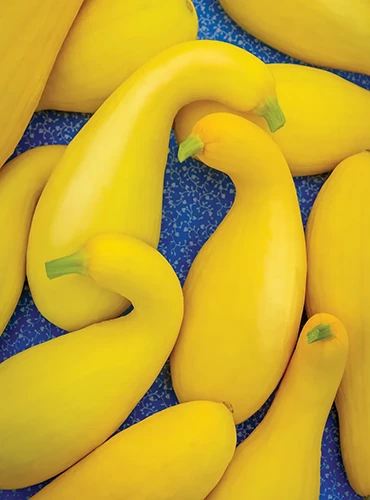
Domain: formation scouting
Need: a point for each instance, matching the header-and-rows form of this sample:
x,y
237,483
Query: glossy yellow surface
x,y
108,41
245,290
179,453
111,176
328,118
339,281
281,458
63,398
330,33
31,34
21,183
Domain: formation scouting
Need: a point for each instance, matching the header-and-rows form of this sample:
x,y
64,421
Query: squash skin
x,y
245,291
339,281
326,33
111,175
180,452
63,398
108,41
328,125
21,183
31,35
291,433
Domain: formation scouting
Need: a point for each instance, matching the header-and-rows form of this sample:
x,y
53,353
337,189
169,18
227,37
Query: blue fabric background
x,y
195,201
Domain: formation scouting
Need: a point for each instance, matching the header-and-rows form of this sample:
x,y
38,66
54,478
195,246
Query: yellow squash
x,y
281,458
245,290
111,175
328,118
180,453
108,41
338,244
62,399
21,183
31,34
331,33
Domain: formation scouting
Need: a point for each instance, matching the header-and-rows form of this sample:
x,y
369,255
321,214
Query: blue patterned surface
x,y
195,201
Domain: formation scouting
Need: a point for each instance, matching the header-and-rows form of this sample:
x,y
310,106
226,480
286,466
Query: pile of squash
x,y
83,222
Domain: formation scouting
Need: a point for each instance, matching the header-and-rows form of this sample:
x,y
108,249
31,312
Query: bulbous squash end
x,y
191,146
272,113
71,264
320,332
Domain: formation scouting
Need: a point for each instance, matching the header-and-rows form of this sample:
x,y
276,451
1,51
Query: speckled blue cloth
x,y
195,201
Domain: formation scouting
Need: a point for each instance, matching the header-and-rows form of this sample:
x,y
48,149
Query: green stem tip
x,y
273,114
75,263
192,146
320,332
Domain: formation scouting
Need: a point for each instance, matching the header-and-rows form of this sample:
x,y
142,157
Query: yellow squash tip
x,y
229,406
192,146
190,5
71,264
320,332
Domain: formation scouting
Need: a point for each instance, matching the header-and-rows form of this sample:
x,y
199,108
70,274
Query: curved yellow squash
x,y
111,175
108,41
21,183
31,35
245,290
331,33
179,453
338,245
62,399
281,458
327,118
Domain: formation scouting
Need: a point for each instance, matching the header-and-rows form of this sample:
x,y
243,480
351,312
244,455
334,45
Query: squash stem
x,y
190,5
229,406
272,113
75,263
191,146
320,332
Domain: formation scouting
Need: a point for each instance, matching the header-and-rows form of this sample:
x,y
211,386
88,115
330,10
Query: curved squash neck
x,y
147,103
168,83
308,390
150,284
130,268
237,147
255,167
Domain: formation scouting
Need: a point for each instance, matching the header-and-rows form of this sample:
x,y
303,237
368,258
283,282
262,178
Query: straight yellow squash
x,y
327,118
331,33
179,453
62,399
21,183
111,175
31,35
108,41
245,290
338,244
281,458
